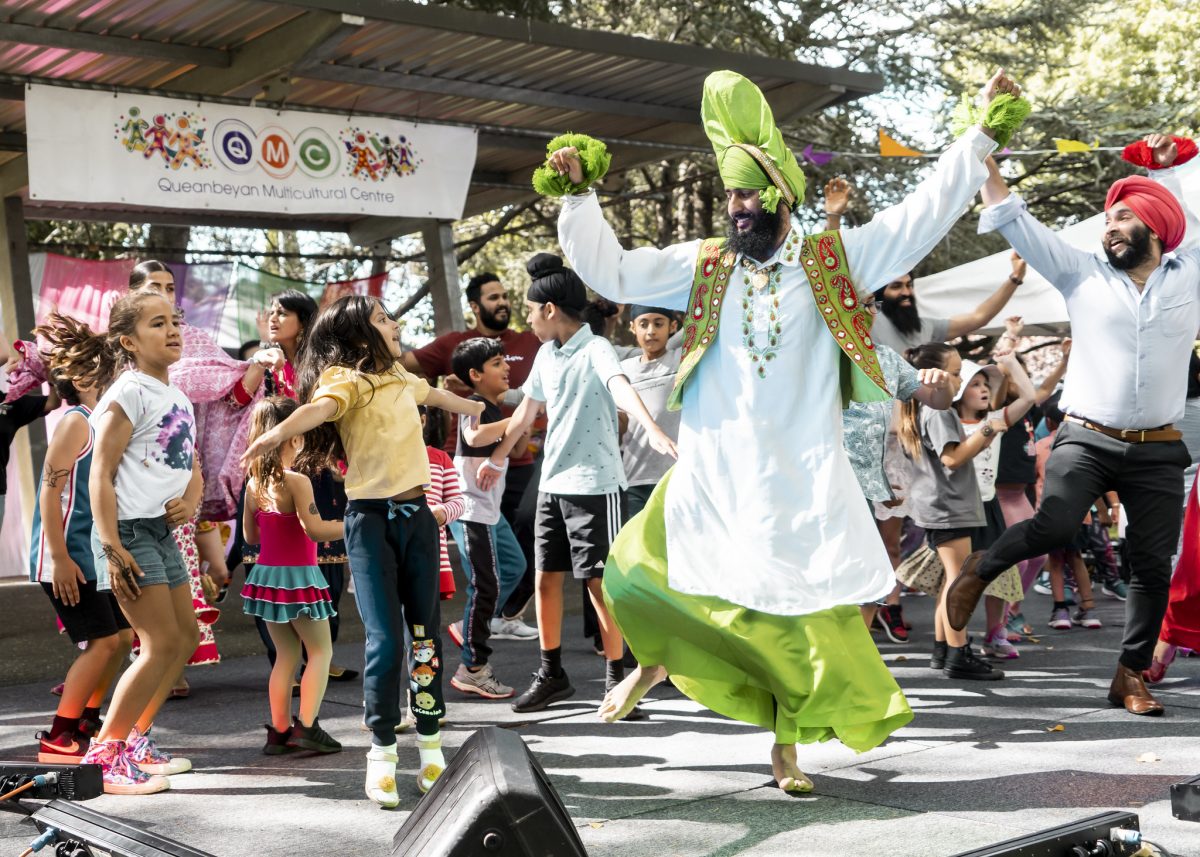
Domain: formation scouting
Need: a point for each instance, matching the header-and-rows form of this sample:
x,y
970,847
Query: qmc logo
x,y
240,149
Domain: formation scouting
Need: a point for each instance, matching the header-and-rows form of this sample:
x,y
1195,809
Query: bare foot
x,y
619,701
788,776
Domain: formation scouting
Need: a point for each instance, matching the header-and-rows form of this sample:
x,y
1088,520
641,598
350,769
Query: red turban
x,y
1154,205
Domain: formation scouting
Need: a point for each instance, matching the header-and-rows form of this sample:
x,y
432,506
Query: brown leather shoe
x,y
1129,691
964,593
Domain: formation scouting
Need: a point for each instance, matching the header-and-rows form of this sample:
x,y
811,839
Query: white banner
x,y
90,146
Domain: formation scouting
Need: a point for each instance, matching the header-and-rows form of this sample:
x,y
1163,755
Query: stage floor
x,y
980,763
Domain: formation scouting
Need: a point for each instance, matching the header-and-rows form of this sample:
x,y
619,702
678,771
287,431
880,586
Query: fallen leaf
x,y
1034,640
901,658
1149,757
1057,727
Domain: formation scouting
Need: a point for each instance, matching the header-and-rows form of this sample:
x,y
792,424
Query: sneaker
x,y
312,737
1085,619
1117,589
65,749
598,645
890,618
455,632
482,682
937,660
88,729
1018,627
121,775
1060,619
511,629
277,742
964,664
543,691
144,752
998,646
1042,585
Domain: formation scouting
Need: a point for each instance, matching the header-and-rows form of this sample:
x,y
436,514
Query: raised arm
x,y
968,322
1050,384
304,418
1055,259
837,202
1026,394
1165,152
447,401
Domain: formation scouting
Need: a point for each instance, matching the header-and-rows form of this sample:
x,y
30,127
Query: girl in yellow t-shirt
x,y
362,408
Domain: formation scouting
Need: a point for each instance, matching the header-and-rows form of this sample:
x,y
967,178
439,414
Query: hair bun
x,y
543,265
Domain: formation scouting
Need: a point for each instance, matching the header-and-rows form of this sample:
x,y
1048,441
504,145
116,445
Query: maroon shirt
x,y
520,349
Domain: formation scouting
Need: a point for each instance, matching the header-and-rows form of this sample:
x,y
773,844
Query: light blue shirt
x,y
1128,347
865,424
581,455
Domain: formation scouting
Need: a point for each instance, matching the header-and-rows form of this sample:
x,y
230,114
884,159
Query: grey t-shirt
x,y
653,382
932,330
941,498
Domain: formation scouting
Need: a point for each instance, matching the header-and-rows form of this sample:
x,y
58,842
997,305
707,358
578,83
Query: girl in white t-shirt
x,y
975,398
145,480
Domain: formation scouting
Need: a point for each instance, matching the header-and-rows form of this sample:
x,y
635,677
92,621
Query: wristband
x,y
1016,280
497,467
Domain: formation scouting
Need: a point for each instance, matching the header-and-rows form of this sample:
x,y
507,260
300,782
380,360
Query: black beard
x,y
1138,252
491,322
905,319
760,240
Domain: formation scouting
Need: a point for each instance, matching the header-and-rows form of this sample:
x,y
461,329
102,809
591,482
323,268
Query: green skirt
x,y
806,678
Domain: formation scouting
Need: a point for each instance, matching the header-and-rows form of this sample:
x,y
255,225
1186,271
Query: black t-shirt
x,y
491,414
1018,455
13,417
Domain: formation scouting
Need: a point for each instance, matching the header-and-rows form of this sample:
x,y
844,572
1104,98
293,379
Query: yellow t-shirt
x,y
381,432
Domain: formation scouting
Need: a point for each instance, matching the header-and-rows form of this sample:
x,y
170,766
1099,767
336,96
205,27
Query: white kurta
x,y
763,509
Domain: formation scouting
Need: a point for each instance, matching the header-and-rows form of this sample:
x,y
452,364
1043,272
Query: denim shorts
x,y
153,547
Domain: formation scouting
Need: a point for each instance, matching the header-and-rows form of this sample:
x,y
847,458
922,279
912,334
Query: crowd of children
x,y
329,402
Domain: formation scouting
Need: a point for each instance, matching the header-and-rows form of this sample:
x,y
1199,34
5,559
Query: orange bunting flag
x,y
1066,147
890,148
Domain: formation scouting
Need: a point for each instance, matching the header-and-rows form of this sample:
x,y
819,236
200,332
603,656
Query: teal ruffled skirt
x,y
807,678
281,593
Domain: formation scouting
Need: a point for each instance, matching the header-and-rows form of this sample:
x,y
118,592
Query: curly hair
x,y
78,357
266,471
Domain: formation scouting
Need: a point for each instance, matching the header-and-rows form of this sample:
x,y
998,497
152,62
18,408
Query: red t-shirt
x,y
520,349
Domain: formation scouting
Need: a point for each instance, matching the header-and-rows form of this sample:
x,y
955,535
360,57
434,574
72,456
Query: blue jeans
x,y
509,557
394,555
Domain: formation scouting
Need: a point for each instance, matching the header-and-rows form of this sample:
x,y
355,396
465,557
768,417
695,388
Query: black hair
x,y
476,283
1051,410
471,354
597,313
930,355
246,346
342,335
299,304
1193,387
142,271
554,283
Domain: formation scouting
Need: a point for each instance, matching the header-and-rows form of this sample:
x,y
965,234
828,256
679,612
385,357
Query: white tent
x,y
961,289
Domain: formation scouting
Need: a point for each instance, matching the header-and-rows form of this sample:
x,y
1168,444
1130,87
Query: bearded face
x,y
899,304
753,231
1127,244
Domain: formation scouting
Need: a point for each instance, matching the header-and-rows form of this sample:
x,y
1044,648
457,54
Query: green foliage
x,y
593,156
1004,115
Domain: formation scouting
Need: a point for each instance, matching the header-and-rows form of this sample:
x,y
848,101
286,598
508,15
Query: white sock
x,y
432,760
381,775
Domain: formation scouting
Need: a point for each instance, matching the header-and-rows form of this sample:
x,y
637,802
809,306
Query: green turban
x,y
749,146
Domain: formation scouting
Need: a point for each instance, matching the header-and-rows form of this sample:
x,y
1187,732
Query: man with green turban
x,y
741,578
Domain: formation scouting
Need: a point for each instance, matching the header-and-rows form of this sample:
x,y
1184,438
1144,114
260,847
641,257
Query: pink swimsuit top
x,y
283,540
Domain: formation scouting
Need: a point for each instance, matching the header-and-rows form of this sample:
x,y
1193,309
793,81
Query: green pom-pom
x,y
593,155
1003,116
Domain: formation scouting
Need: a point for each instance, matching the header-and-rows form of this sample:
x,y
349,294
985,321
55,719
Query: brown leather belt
x,y
1155,435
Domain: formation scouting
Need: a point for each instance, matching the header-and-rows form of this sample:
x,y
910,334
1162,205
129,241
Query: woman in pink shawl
x,y
221,390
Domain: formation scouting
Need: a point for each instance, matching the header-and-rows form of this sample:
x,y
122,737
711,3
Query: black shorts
x,y
933,538
573,532
96,615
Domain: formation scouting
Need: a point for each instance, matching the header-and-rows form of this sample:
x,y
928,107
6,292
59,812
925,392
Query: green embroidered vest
x,y
823,259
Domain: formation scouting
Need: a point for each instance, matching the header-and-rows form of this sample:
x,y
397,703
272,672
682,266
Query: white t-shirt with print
x,y
157,464
987,461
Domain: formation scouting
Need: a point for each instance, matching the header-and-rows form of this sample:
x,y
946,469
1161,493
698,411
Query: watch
x,y
987,430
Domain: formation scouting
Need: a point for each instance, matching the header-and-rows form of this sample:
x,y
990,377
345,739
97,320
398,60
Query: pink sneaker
x,y
121,776
144,753
998,646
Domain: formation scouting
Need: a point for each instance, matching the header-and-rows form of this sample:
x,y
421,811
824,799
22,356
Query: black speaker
x,y
1185,800
493,800
1110,834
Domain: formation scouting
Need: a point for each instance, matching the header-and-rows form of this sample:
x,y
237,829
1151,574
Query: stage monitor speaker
x,y
73,782
77,825
1110,834
493,800
1185,800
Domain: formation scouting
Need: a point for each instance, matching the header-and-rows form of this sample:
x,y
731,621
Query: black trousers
x,y
1148,477
518,505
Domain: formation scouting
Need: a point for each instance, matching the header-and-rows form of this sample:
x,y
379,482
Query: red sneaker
x,y
65,749
890,618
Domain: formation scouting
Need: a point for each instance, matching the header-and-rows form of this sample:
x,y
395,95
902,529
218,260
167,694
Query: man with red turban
x,y
1134,312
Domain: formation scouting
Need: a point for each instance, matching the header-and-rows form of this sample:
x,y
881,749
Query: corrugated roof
x,y
520,80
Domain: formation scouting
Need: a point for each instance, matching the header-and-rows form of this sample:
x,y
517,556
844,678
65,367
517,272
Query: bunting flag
x,y
818,159
1068,147
890,148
